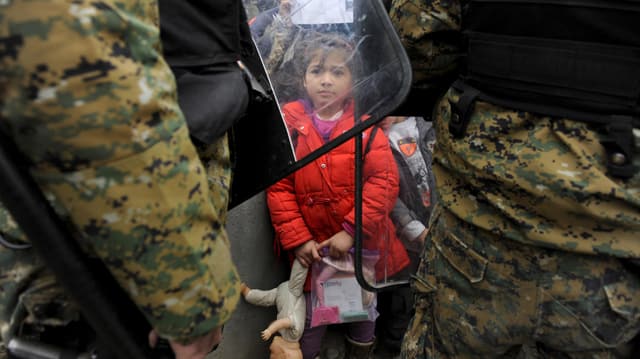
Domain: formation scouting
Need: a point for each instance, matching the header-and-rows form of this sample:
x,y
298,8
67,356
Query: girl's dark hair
x,y
322,44
287,79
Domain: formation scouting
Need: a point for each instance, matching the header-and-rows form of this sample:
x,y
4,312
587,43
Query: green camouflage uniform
x,y
91,103
526,254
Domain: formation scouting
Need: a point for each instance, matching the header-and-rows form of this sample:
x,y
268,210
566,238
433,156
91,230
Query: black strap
x,y
461,111
619,142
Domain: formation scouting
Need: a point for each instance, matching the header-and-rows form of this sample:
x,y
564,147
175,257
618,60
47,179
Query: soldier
x,y
202,42
533,245
91,104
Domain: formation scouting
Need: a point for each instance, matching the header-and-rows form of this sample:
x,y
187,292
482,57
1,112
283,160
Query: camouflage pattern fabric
x,y
216,158
536,180
27,288
92,105
480,296
429,30
528,249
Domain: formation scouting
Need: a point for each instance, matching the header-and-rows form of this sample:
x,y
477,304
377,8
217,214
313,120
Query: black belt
x,y
590,77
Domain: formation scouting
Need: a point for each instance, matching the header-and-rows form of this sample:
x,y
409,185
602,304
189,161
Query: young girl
x,y
313,208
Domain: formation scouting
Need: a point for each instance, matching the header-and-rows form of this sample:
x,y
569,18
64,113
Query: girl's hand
x,y
307,253
339,244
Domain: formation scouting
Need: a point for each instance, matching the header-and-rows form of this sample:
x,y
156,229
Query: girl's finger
x,y
326,243
315,255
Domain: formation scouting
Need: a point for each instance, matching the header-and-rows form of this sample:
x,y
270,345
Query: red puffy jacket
x,y
315,201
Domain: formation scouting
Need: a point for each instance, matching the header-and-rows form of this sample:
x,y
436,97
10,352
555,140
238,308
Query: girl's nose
x,y
326,78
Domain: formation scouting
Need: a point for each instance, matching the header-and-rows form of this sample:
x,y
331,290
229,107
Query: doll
x,y
291,305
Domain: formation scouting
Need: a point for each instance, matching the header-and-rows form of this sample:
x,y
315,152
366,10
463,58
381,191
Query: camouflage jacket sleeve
x,y
91,103
430,33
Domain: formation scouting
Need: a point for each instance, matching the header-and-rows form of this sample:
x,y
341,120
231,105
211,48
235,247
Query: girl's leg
x,y
311,340
360,338
361,332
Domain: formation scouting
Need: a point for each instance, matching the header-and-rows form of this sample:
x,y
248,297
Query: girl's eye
x,y
338,72
314,71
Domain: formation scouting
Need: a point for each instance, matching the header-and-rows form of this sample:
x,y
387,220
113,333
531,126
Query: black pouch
x,y
212,98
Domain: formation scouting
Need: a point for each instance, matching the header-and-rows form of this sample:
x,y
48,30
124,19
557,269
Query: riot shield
x,y
325,59
285,33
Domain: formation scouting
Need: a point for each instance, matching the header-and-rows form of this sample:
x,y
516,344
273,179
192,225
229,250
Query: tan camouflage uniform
x,y
88,99
526,249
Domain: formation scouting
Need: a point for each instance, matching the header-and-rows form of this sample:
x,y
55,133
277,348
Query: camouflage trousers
x,y
216,158
481,296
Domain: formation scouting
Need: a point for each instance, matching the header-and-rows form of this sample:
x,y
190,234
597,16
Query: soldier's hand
x,y
196,349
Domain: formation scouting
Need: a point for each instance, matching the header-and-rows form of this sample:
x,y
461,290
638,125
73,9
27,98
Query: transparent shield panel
x,y
325,58
401,240
336,67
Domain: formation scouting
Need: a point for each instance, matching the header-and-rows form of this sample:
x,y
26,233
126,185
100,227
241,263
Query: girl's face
x,y
328,81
